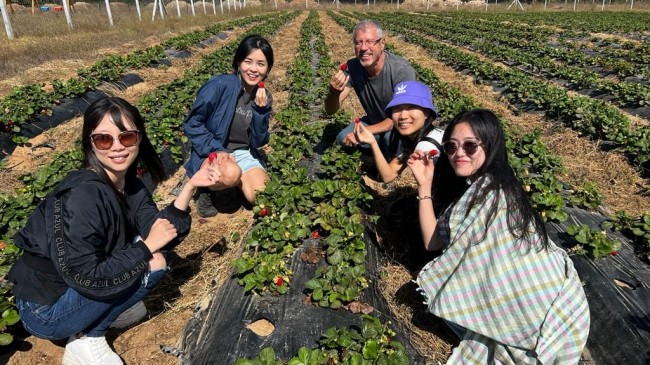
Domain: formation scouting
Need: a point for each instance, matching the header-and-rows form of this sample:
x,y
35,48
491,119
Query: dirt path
x,y
203,264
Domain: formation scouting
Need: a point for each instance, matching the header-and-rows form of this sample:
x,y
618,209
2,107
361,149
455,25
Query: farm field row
x,y
165,126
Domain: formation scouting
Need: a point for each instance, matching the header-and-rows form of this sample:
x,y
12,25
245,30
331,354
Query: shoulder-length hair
x,y
121,112
249,44
449,188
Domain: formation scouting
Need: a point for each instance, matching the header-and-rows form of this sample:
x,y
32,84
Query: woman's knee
x,y
231,174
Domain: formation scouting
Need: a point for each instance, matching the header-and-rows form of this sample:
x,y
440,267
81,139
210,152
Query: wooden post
x,y
66,11
5,19
110,14
160,7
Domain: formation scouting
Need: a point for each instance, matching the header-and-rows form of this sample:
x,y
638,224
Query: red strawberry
x,y
344,67
433,153
261,85
212,156
263,212
279,280
315,234
614,253
357,120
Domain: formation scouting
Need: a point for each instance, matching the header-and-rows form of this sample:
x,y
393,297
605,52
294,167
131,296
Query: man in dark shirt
x,y
373,75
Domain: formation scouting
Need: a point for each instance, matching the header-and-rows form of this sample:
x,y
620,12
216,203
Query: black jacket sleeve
x,y
89,246
144,212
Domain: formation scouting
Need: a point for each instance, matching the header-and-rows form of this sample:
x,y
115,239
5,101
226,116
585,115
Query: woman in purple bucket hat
x,y
413,115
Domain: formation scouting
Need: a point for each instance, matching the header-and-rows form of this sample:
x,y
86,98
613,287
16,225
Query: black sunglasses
x,y
104,141
470,147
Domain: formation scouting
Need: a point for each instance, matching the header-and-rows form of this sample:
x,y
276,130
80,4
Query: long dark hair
x,y
449,188
249,44
120,111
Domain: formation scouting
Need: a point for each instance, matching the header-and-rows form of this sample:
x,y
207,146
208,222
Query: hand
x,y
350,140
339,81
207,175
363,135
221,157
260,97
161,233
422,167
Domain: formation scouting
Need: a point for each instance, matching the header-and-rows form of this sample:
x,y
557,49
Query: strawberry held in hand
x,y
357,120
212,156
261,84
344,67
433,153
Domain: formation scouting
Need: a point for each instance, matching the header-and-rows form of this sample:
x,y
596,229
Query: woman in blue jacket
x,y
231,117
93,248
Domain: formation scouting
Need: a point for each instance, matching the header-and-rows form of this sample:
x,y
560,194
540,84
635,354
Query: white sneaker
x,y
130,316
89,351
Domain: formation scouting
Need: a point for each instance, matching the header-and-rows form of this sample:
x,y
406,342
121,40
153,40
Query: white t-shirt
x,y
432,141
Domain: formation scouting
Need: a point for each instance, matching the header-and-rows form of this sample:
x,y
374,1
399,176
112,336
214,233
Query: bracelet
x,y
424,197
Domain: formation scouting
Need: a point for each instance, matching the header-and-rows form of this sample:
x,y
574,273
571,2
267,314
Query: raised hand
x,y
339,80
363,135
260,97
422,167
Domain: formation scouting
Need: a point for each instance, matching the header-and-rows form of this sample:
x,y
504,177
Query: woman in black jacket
x,y
94,247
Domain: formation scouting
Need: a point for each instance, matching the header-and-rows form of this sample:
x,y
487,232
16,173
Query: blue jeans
x,y
382,139
73,313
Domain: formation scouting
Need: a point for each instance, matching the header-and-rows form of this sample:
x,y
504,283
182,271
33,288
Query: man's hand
x,y
338,82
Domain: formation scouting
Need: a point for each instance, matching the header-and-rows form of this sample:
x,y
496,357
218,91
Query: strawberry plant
x,y
8,254
586,197
635,228
592,241
371,343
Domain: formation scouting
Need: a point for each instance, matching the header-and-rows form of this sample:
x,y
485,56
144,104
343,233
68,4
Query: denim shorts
x,y
247,159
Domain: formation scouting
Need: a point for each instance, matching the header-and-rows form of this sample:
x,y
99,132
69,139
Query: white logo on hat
x,y
401,89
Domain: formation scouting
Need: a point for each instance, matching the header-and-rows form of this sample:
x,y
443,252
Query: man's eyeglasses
x,y
104,141
368,43
470,147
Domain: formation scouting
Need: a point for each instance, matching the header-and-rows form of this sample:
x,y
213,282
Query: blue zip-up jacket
x,y
208,123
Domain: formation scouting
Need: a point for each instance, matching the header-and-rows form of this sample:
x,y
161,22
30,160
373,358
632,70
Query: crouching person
x,y
94,247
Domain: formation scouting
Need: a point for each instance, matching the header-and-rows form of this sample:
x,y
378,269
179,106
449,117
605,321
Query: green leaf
x,y
371,350
6,339
267,356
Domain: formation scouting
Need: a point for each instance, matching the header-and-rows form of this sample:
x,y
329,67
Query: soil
x,y
204,259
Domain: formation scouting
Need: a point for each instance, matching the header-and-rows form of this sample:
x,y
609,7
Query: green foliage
x,y
592,241
369,345
635,228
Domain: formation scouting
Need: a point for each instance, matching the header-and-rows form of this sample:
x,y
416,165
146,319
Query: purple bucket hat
x,y
414,93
